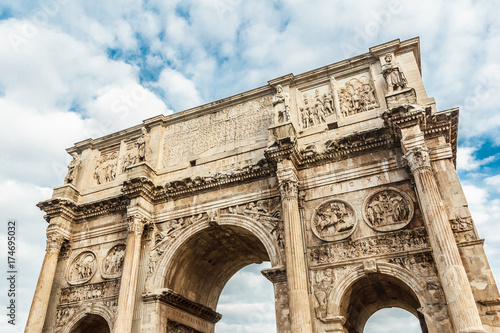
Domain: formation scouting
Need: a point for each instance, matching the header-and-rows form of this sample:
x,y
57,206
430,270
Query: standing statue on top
x,y
281,103
393,75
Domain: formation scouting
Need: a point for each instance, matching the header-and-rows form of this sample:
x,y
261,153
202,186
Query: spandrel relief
x,y
388,210
113,262
333,220
82,268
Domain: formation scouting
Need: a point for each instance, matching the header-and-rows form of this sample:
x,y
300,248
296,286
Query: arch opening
x,y
374,292
204,263
91,323
392,320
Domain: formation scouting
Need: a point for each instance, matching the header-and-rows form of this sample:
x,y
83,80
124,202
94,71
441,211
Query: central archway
x,y
198,263
202,266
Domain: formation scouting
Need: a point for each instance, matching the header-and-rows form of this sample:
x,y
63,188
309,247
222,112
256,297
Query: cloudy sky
x,y
70,70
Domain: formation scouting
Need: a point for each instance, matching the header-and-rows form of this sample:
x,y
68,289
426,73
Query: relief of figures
x,y
113,263
89,291
323,283
357,96
82,268
72,169
281,103
105,169
401,241
394,77
333,220
388,210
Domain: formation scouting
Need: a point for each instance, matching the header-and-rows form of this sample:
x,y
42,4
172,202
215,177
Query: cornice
x,y
170,297
443,123
142,187
72,211
187,186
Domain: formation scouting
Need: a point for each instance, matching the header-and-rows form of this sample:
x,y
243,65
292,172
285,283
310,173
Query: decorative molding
x,y
174,299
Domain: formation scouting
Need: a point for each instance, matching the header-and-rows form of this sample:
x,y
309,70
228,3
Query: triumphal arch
x,y
342,177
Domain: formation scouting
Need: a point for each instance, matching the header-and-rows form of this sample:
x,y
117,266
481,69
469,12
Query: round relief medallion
x,y
82,269
388,209
333,220
113,262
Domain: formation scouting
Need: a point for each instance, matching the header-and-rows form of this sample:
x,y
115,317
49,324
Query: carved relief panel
x,y
105,167
388,209
334,220
356,95
113,262
82,268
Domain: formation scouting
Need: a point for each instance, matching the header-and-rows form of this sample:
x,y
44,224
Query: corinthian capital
x,y
288,188
54,243
418,158
136,224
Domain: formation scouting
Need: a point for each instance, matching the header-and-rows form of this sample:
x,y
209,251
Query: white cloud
x,y
180,92
468,162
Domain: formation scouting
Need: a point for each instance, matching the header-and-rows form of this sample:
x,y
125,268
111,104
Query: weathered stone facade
x,y
342,177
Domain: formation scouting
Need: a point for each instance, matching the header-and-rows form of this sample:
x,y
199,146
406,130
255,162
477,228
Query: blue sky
x,y
73,70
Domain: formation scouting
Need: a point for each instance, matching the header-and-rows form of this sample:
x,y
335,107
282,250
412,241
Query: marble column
x,y
36,317
128,284
300,311
461,304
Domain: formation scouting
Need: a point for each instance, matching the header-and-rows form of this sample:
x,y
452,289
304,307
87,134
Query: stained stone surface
x,y
343,178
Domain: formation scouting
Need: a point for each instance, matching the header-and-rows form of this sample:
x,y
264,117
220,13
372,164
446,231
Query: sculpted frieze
x,y
401,241
334,220
82,269
113,262
388,209
89,291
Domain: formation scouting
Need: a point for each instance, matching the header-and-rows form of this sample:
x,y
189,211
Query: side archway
x,y
359,294
98,319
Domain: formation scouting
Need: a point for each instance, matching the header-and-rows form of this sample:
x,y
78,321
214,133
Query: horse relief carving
x,y
333,220
82,269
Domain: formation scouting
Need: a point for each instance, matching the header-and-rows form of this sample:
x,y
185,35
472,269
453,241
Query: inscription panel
x,y
236,123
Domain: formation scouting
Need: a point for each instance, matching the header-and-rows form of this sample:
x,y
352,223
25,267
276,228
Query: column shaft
x,y
41,298
300,312
461,303
128,284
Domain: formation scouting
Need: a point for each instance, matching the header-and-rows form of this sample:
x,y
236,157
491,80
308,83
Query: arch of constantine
x,y
343,178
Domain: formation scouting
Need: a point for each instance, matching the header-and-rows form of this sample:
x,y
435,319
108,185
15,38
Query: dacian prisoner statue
x,y
343,178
